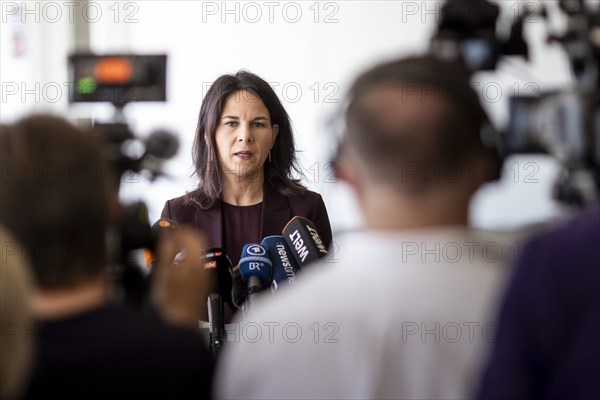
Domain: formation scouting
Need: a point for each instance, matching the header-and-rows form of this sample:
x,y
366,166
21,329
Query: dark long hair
x,y
277,172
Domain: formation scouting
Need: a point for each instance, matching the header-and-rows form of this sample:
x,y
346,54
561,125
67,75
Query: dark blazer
x,y
277,211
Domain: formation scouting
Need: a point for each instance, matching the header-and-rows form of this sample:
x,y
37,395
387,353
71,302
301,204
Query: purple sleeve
x,y
547,345
508,373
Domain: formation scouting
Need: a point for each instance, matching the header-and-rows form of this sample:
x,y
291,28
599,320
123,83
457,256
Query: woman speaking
x,y
244,156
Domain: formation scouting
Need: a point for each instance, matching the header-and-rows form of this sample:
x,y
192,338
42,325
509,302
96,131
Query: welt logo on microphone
x,y
299,244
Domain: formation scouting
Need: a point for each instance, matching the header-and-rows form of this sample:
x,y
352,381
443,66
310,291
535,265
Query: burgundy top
x,y
241,225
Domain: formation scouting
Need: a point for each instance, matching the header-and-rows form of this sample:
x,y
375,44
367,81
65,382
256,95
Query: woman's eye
x,y
259,125
231,124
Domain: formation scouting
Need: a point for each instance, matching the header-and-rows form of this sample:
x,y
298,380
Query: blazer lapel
x,y
276,212
211,224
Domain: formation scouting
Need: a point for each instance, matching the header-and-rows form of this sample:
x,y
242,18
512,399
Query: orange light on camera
x,y
149,257
166,224
114,71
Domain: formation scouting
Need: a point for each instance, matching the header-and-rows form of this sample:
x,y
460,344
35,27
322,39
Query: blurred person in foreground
x,y
550,318
15,316
406,312
58,202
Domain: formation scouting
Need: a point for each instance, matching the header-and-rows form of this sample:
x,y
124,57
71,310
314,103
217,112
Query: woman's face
x,y
244,135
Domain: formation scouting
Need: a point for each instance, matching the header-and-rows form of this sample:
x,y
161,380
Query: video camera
x,y
121,79
563,124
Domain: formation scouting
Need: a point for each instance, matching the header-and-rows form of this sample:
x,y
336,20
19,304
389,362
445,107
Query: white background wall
x,y
310,51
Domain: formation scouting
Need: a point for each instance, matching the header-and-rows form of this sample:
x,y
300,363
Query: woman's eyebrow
x,y
237,118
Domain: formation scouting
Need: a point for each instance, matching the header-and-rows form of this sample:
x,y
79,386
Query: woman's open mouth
x,y
244,155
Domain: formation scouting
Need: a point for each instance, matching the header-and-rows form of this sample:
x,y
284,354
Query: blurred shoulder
x,y
180,202
581,231
305,195
179,209
576,238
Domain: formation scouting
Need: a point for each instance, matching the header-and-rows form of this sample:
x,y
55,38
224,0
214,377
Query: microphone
x,y
158,228
304,241
215,318
161,145
285,267
219,266
255,269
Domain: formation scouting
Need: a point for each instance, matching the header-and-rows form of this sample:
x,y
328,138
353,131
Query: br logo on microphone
x,y
254,266
256,250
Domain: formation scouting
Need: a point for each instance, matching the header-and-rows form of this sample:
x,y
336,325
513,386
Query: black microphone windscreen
x,y
162,144
215,318
304,241
219,266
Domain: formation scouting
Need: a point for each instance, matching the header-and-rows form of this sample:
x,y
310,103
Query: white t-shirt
x,y
388,315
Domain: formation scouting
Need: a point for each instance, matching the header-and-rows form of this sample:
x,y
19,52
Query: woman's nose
x,y
245,135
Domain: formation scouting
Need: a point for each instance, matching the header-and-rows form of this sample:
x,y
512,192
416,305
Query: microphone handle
x,y
215,318
254,288
254,285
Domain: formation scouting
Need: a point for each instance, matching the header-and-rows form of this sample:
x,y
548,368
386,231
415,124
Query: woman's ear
x,y
275,129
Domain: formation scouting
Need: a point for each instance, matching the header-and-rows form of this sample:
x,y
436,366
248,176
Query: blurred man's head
x,y
55,199
413,135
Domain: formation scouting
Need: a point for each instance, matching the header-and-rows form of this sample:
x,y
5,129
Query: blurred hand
x,y
181,288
